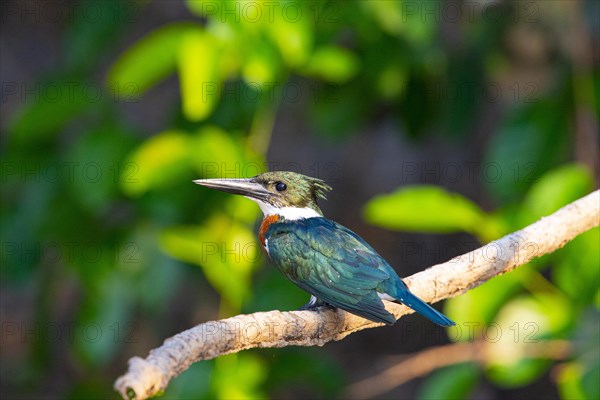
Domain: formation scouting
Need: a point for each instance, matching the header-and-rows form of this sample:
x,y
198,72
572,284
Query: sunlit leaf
x,y
243,209
227,251
215,154
152,58
425,209
197,64
523,322
292,32
333,64
245,369
261,65
388,14
569,381
156,162
520,373
205,8
479,306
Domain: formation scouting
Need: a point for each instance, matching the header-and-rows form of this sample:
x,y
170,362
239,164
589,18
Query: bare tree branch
x,y
426,361
147,377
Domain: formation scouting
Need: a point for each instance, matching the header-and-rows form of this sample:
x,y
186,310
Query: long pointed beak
x,y
244,187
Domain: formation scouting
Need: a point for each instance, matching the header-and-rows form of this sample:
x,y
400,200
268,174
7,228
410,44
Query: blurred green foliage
x,y
124,216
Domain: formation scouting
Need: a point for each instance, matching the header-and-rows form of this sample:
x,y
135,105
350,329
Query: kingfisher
x,y
329,261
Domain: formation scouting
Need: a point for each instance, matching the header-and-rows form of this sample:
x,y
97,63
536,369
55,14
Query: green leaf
x,y
54,105
577,271
297,365
96,157
245,369
590,382
333,64
337,112
517,374
569,381
262,65
90,33
152,274
391,81
156,163
481,304
396,18
579,378
554,190
525,321
549,312
226,250
152,58
425,209
292,34
532,140
587,351
455,382
192,383
198,74
104,319
215,154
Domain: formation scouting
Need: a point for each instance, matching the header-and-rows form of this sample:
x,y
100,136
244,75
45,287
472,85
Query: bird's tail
x,y
412,301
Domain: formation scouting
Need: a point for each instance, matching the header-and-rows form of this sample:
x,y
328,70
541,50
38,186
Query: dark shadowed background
x,y
440,126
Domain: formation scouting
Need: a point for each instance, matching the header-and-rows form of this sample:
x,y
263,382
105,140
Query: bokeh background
x,y
440,125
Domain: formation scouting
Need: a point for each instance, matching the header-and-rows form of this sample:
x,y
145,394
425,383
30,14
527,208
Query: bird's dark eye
x,y
280,186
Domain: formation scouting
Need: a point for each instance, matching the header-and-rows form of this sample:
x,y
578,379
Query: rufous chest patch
x,y
264,227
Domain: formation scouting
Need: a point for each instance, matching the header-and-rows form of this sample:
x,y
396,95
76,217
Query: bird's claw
x,y
315,303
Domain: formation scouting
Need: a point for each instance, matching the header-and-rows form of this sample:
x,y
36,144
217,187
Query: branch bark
x,y
149,376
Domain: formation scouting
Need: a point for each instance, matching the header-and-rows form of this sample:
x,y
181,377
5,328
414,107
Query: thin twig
x,y
147,377
426,361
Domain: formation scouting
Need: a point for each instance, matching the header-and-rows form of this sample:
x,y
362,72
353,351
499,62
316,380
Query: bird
x,y
336,266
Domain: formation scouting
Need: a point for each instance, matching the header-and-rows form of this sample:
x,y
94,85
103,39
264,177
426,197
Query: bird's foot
x,y
315,303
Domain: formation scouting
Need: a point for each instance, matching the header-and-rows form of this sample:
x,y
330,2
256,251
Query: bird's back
x,y
337,266
332,263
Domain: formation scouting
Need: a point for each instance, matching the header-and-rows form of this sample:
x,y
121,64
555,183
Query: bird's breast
x,y
264,227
